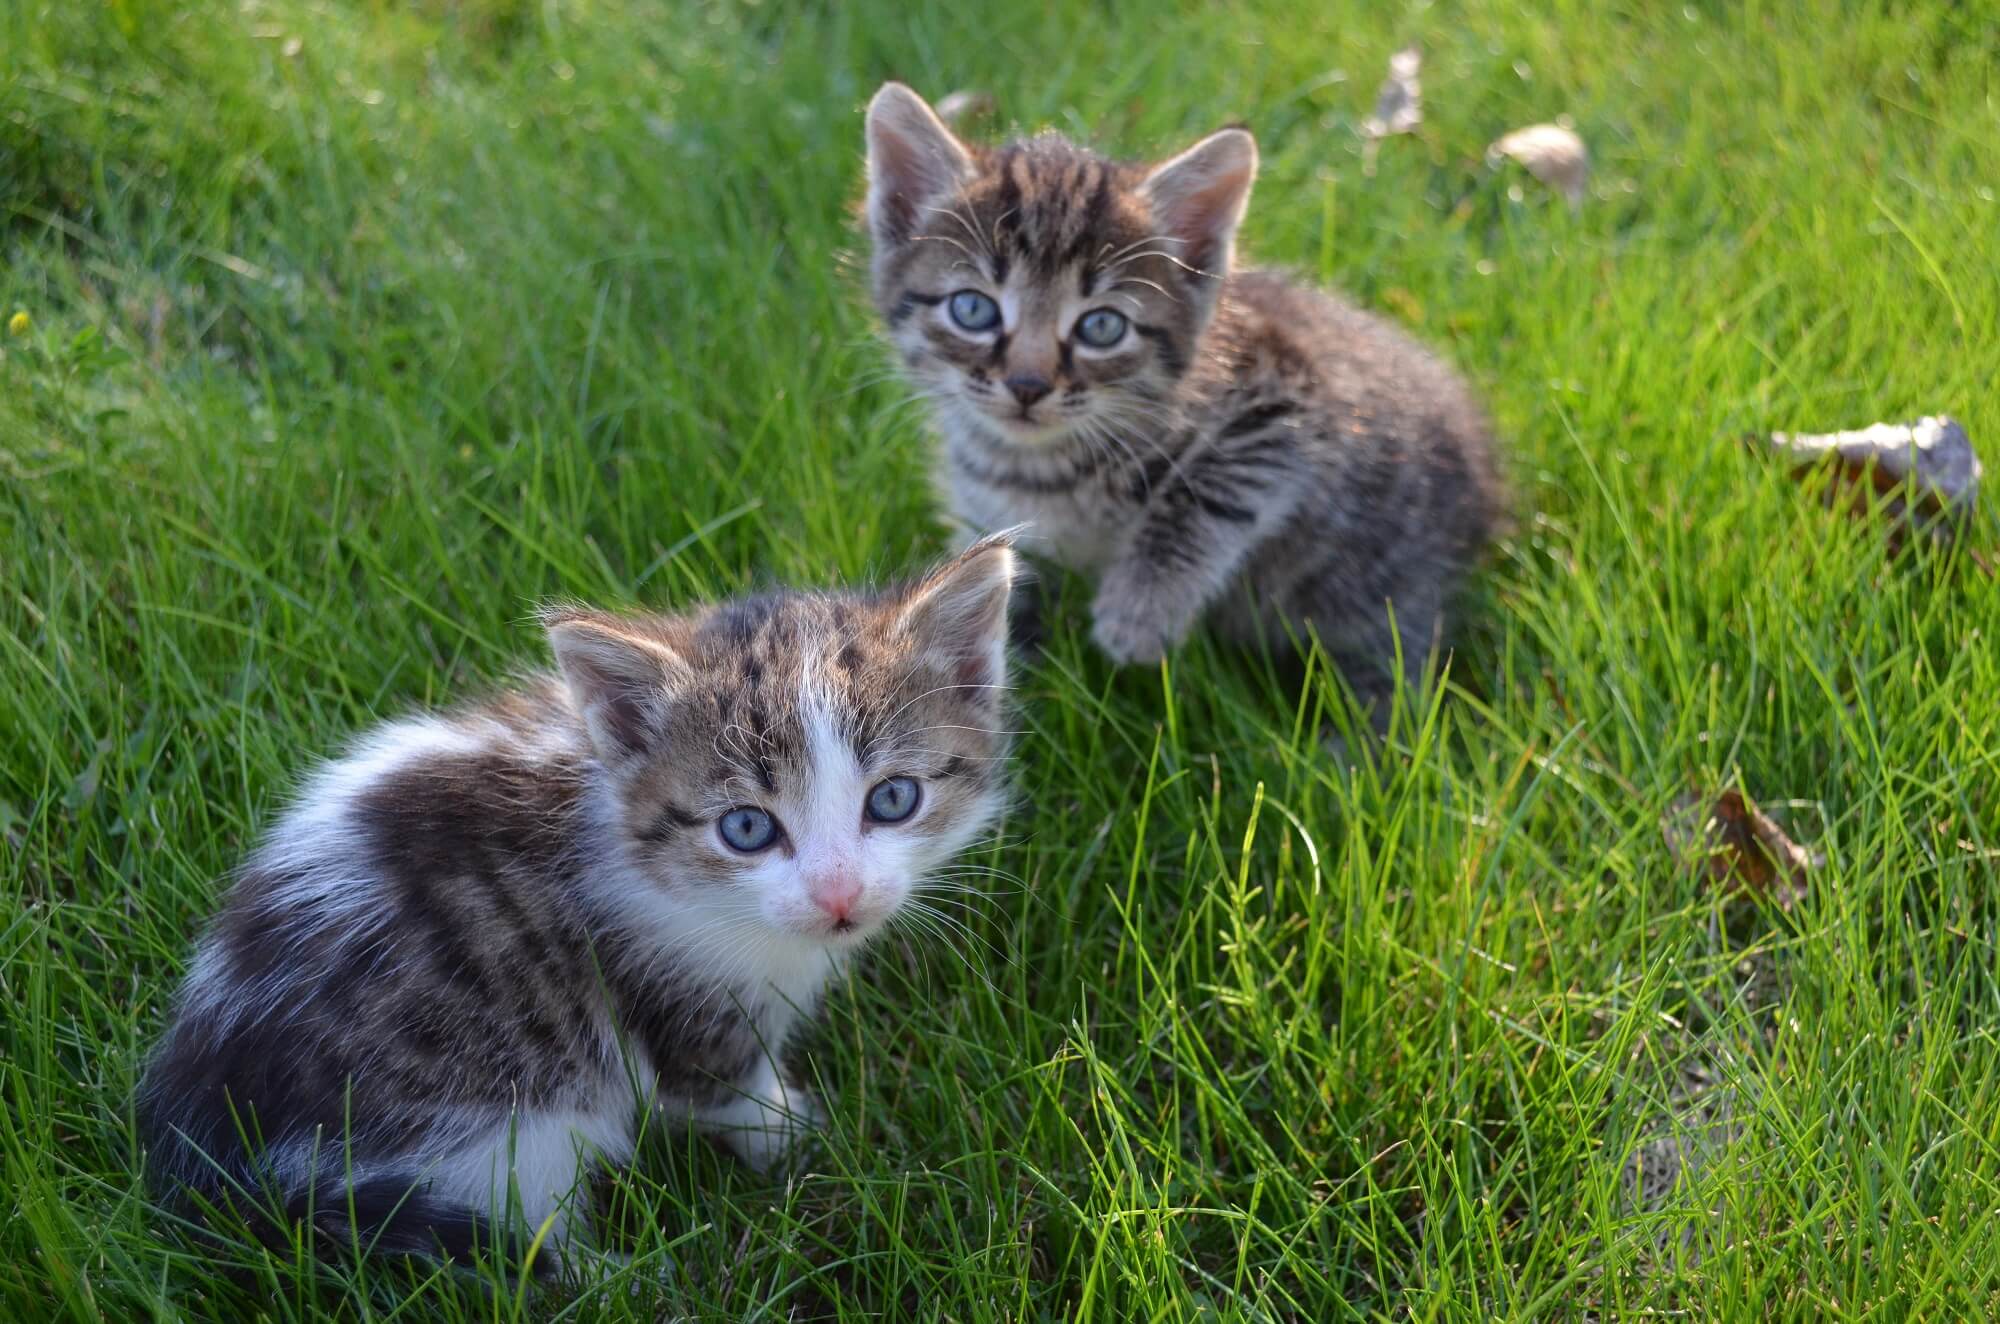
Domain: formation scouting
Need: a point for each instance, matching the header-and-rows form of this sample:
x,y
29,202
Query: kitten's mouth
x,y
846,933
1024,426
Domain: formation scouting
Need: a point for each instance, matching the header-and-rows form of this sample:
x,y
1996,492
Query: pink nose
x,y
836,895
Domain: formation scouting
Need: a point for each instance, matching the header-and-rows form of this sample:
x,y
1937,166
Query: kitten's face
x,y
1038,292
788,769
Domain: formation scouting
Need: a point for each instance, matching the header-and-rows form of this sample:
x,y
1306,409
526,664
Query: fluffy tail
x,y
383,1216
391,1214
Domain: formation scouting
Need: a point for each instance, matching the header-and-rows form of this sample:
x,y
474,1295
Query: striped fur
x,y
481,944
1253,451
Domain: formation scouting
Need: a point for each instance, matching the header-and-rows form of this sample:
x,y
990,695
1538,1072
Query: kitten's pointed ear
x,y
620,675
959,611
1198,197
912,158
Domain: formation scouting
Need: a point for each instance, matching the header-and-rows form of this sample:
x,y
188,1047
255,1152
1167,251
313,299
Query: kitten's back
x,y
1377,395
395,969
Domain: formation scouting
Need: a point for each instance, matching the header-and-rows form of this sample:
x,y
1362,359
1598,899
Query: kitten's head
x,y
1037,291
792,766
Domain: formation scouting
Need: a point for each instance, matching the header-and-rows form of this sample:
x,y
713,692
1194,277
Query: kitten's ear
x,y
912,158
959,611
621,678
1198,197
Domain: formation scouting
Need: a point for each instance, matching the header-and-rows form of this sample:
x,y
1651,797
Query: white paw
x,y
762,1129
1134,622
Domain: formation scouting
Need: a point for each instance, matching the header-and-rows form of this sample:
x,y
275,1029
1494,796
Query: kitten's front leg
x,y
1141,612
1190,544
764,1118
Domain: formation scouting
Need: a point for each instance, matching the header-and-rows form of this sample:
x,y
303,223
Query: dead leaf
x,y
1740,848
1931,461
965,104
1552,153
1399,106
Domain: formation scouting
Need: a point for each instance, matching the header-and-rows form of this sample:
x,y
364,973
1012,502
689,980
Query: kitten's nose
x,y
836,895
1028,387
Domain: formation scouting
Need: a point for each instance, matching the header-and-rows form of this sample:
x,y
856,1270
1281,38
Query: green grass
x,y
359,326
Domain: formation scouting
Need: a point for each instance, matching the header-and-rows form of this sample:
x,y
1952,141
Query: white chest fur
x,y
1079,528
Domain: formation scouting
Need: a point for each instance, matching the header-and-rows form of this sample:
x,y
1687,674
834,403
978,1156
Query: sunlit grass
x,y
355,329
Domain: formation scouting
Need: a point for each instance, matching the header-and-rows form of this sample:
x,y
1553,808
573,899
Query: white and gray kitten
x,y
1203,441
459,968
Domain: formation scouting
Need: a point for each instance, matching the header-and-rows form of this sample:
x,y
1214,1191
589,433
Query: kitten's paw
x,y
1134,622
763,1129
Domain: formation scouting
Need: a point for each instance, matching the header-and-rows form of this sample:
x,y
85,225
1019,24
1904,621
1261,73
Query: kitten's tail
x,y
386,1213
380,1216
391,1216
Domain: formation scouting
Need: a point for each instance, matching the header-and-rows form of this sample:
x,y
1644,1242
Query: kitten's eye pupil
x,y
894,800
1101,328
974,311
747,829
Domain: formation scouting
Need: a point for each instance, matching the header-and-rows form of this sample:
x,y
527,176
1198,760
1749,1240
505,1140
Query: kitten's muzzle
x,y
1028,387
836,895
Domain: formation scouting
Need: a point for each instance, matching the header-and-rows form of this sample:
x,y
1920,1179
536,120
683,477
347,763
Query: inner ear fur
x,y
912,158
959,611
1199,197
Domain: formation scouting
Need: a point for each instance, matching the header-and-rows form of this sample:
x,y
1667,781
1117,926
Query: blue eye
x,y
974,311
747,829
894,800
1101,328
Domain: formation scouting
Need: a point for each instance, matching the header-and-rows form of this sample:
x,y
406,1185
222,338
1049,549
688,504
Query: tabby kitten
x,y
1202,440
481,943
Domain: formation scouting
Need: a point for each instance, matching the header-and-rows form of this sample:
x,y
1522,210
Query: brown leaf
x,y
1923,470
1552,153
1741,848
965,104
1399,106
